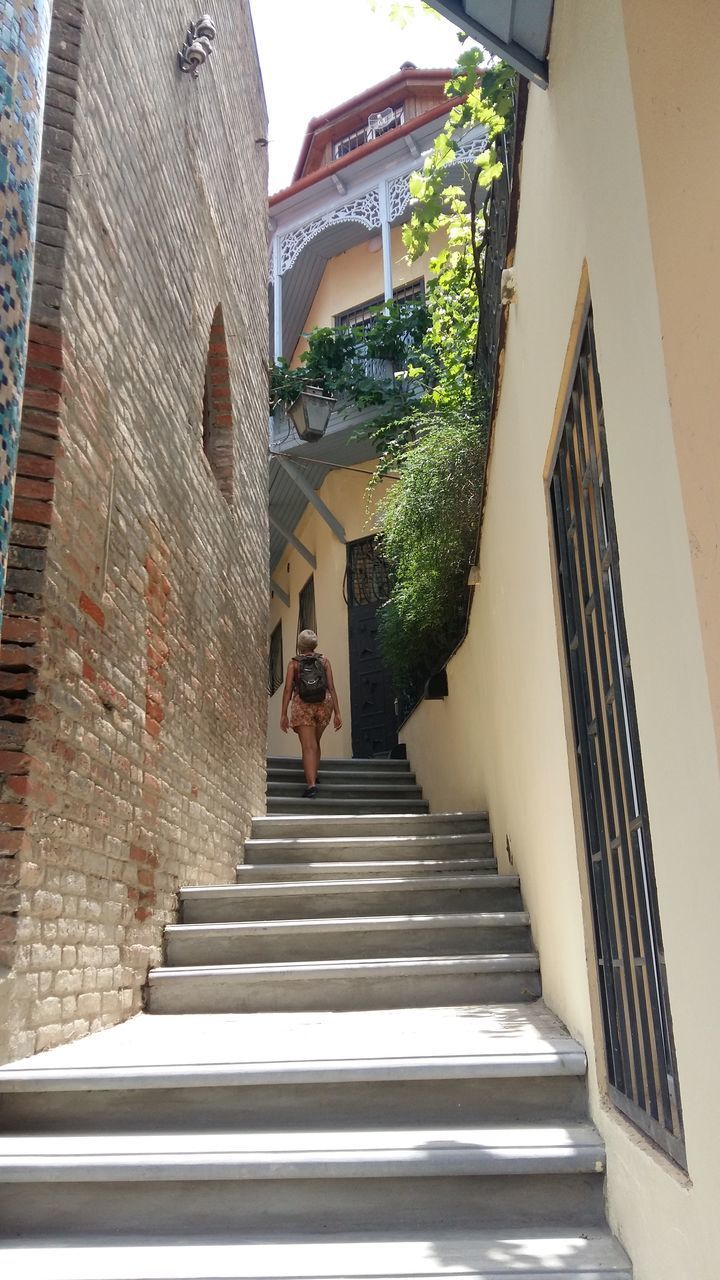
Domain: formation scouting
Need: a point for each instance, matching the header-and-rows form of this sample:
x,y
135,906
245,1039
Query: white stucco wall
x,y
502,739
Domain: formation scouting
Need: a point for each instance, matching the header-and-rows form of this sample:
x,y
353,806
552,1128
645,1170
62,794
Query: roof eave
x,y
534,69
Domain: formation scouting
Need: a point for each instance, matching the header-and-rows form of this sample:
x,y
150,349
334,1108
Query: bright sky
x,y
315,54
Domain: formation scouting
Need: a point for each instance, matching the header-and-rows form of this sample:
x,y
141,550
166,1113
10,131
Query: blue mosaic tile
x,y
24,36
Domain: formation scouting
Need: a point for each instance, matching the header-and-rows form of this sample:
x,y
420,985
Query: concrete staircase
x,y
353,1075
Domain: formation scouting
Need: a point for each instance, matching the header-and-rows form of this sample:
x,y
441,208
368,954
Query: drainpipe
x,y
24,43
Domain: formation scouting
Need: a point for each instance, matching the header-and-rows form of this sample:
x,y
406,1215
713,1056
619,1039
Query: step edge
x,y
569,1062
303,888
514,962
349,924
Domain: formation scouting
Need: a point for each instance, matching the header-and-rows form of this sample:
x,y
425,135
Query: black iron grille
x,y
642,1077
368,574
275,660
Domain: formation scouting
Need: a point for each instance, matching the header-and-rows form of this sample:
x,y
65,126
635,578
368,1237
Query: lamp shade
x,y
310,413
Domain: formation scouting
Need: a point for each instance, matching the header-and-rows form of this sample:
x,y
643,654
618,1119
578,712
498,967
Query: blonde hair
x,y
307,641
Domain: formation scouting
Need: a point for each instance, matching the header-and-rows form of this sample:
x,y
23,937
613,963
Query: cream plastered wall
x,y
356,276
345,493
676,104
503,738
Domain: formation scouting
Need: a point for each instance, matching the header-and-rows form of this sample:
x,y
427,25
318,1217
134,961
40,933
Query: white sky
x,y
315,54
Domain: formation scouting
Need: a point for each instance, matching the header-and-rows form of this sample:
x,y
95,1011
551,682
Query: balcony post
x,y
277,302
386,242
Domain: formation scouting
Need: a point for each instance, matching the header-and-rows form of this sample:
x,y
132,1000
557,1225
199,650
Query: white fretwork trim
x,y
398,197
365,210
470,149
399,188
271,263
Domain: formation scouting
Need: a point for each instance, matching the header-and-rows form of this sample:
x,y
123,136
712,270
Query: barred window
x,y
363,315
379,123
275,660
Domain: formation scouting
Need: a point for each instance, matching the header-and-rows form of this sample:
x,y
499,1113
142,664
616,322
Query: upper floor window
x,y
379,122
362,316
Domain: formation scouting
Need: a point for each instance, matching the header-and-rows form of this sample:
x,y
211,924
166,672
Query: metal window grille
x,y
306,612
379,123
368,574
365,313
275,660
642,1074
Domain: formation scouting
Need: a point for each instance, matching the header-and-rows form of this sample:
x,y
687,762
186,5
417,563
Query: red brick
x,y
33,464
92,609
29,487
44,334
15,762
40,376
13,815
21,629
49,400
34,512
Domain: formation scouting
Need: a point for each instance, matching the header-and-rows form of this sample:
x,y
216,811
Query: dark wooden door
x,y
372,698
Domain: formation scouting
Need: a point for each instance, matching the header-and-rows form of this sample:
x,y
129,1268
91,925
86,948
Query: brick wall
x,y
132,668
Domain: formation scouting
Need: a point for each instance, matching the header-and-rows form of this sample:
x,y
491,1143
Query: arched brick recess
x,y
217,409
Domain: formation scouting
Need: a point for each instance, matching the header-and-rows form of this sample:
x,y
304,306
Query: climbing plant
x,y
360,366
429,518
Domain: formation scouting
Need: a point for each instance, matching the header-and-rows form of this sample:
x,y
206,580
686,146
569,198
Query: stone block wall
x,y
133,659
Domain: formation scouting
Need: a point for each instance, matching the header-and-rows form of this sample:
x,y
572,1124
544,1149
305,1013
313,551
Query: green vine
x,y
429,517
360,367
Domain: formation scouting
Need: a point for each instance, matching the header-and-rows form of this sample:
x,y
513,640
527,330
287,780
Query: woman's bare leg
x,y
310,754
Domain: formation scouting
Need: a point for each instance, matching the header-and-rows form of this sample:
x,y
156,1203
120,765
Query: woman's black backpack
x,y
311,683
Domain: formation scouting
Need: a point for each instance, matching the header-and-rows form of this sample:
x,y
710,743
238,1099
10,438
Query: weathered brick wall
x,y
132,669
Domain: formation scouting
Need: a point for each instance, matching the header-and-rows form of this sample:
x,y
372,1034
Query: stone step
x,y
324,805
424,868
348,790
507,1064
217,1098
337,777
342,826
373,847
378,764
473,1255
314,899
348,984
360,1178
358,938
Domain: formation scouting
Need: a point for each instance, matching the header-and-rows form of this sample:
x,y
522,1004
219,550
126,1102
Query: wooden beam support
x,y
294,542
297,477
282,596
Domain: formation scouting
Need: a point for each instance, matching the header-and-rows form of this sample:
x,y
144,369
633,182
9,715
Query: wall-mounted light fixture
x,y
310,414
198,44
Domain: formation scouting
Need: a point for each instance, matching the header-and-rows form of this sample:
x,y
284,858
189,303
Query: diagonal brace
x,y
297,477
282,596
294,541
